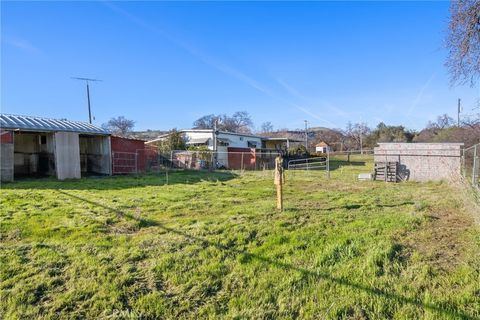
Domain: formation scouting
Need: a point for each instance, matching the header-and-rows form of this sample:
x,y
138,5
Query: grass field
x,y
211,245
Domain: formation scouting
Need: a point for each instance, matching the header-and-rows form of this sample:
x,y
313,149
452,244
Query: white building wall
x,y
67,155
234,140
193,135
239,141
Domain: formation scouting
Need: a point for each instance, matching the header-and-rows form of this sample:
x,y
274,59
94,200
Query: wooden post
x,y
241,164
279,180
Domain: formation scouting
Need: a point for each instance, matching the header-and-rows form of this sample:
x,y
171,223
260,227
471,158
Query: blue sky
x,y
164,64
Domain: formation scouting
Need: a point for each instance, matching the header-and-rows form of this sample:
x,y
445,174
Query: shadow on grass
x,y
122,182
286,266
358,206
336,164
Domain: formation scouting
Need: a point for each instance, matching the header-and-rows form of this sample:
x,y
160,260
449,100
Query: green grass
x,y
212,245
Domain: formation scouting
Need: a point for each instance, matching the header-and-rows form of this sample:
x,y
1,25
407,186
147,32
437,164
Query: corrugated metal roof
x,y
30,123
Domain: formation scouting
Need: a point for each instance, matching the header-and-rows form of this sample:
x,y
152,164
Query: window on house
x,y
43,139
252,144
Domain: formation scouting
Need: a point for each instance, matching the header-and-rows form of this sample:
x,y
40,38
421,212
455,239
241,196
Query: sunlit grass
x,y
211,245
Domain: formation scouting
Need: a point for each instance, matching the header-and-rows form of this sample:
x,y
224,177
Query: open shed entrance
x,y
95,155
33,154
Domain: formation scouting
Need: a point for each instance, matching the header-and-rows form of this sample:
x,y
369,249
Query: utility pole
x,y
459,108
87,80
215,132
306,135
361,141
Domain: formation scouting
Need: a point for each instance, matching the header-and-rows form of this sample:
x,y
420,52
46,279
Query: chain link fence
x,y
471,165
153,160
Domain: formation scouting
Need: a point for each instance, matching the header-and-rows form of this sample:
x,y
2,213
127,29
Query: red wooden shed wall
x,y
126,154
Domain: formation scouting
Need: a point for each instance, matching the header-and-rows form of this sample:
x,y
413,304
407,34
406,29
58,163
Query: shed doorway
x,y
33,154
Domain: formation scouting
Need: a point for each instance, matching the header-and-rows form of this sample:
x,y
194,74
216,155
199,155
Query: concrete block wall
x,y
423,161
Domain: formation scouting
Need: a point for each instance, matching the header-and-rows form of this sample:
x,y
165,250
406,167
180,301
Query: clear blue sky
x,y
164,64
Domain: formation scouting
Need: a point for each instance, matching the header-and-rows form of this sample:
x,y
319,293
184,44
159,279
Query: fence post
x,y
279,179
136,163
241,164
328,164
474,168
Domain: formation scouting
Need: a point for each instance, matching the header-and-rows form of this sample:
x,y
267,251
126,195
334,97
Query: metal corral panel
x,y
30,123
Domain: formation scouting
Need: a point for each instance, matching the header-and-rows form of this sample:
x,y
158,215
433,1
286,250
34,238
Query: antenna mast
x,y
87,80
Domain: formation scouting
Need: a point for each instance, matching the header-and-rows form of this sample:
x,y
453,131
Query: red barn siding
x,y
6,137
235,158
128,155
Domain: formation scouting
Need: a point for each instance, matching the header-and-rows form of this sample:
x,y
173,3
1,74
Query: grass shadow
x,y
337,164
123,182
286,266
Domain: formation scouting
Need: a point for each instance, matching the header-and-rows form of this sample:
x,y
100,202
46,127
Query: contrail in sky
x,y
226,69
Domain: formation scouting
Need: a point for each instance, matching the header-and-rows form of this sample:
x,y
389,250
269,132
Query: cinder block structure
x,y
422,161
34,146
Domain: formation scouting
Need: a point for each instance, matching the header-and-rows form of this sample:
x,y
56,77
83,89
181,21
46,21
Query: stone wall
x,y
423,161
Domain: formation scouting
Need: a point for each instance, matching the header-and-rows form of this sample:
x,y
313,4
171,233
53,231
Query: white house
x,y
227,142
229,145
322,147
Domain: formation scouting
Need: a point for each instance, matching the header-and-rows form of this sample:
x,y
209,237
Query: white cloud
x,y
20,44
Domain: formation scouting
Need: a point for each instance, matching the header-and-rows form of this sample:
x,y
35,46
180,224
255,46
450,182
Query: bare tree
x,y
355,134
240,121
463,41
267,127
206,122
444,121
119,126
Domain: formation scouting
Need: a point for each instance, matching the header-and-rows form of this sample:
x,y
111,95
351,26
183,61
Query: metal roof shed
x,y
42,147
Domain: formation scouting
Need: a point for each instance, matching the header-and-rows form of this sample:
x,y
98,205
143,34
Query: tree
x,y
174,141
355,134
267,127
240,121
444,121
386,133
206,122
463,42
119,126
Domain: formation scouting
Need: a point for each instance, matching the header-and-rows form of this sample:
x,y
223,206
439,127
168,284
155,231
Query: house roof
x,y
282,139
222,132
31,123
128,138
198,141
321,144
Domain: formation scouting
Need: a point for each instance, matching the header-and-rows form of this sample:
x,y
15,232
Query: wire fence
x,y
471,165
152,160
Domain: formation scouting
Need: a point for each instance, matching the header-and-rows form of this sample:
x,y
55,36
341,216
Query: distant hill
x,y
148,134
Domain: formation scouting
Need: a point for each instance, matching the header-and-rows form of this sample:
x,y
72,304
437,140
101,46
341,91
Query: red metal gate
x,y
124,162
